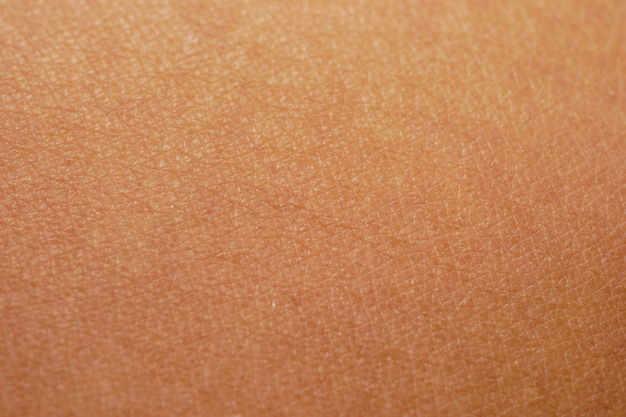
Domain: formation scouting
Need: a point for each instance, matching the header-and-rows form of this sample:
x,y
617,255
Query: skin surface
x,y
277,208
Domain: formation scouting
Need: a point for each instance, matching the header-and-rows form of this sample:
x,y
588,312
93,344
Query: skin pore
x,y
273,208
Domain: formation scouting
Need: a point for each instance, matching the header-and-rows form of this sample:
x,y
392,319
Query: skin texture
x,y
272,208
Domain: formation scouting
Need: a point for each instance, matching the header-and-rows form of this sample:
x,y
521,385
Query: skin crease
x,y
271,208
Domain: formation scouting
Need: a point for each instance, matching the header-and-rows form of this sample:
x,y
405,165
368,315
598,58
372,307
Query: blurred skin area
x,y
305,208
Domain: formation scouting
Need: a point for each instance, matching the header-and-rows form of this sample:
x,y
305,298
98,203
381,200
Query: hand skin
x,y
272,208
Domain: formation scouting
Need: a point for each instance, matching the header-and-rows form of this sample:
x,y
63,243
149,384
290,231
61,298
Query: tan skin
x,y
271,208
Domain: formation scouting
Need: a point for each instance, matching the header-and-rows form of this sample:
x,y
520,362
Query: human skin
x,y
272,208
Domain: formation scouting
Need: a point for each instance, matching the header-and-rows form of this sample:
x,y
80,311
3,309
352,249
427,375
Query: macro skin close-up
x,y
248,208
